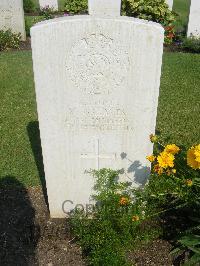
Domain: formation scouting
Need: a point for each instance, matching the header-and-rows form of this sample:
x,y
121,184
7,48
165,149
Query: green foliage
x,y
174,188
173,177
99,241
9,40
28,6
112,225
31,21
181,8
189,243
76,6
154,10
107,230
191,44
47,12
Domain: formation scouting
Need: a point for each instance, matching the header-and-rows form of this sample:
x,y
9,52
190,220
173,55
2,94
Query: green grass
x,y
36,3
17,109
179,106
178,112
181,7
61,4
30,21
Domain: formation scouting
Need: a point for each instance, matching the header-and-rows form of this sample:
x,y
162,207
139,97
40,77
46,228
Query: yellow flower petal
x,y
151,158
172,148
166,159
135,218
124,201
193,157
189,182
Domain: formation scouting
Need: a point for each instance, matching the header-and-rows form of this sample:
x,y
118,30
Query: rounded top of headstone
x,y
104,7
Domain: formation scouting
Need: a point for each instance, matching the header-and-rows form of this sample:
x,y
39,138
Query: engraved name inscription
x,y
97,117
6,16
97,64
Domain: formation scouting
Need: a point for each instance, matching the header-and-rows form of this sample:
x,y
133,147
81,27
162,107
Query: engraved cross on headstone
x,y
97,156
104,7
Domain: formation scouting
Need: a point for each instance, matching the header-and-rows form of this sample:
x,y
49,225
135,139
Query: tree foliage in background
x,y
154,10
76,6
28,6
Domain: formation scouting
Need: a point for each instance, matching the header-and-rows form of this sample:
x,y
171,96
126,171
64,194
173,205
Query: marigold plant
x,y
151,158
165,159
172,148
193,157
135,218
121,212
124,201
174,189
170,160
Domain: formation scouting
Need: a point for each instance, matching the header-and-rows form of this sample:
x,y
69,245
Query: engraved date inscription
x,y
96,117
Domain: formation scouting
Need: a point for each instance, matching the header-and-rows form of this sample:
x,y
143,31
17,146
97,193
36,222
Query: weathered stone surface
x,y
12,16
97,84
51,3
104,7
194,19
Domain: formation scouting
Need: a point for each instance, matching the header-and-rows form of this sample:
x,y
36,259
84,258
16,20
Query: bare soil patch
x,y
29,237
27,234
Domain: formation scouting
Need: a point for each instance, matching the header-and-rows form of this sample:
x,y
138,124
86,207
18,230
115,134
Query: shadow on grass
x,y
18,232
34,138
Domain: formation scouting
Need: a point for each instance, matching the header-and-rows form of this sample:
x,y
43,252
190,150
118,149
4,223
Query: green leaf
x,y
177,251
195,250
190,240
193,260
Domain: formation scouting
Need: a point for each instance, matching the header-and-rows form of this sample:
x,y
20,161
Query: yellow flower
x,y
172,148
153,138
135,218
151,158
193,157
174,171
189,182
158,169
124,201
197,153
166,159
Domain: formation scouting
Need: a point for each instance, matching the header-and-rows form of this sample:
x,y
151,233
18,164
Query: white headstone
x,y
104,7
170,4
194,19
49,3
97,84
12,16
